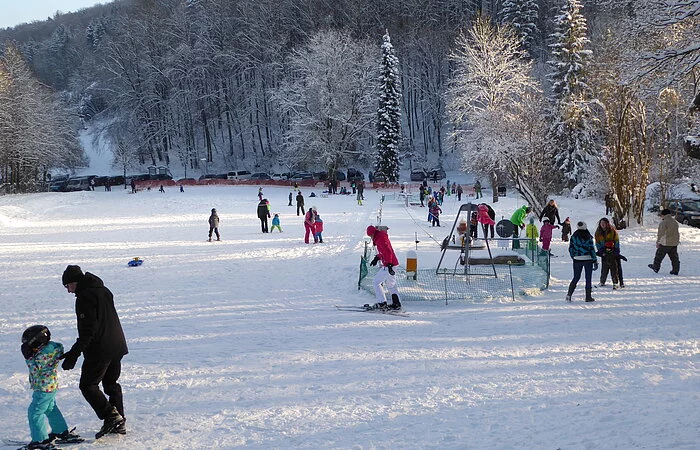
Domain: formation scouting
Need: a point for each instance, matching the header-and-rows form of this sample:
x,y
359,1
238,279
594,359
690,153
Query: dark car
x,y
299,176
260,176
418,175
686,212
355,175
213,176
58,183
437,174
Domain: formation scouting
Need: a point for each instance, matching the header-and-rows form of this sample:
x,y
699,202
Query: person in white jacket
x,y
667,240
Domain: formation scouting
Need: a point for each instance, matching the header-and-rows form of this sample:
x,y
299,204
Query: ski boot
x,y
395,303
67,437
112,422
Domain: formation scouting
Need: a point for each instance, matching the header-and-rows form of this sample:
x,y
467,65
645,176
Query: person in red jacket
x,y
386,275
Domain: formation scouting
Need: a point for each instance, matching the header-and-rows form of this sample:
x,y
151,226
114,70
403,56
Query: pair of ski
x,y
371,309
55,445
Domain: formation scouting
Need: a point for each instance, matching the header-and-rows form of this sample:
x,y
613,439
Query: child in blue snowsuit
x,y
42,356
276,223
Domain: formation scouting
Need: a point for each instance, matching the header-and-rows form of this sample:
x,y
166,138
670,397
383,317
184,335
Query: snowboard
x,y
367,308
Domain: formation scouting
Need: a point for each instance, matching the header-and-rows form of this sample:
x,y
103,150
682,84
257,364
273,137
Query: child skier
x,y
42,357
318,229
546,233
214,224
566,230
385,275
276,223
435,213
532,234
473,226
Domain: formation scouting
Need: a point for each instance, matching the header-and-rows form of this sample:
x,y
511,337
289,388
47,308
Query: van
x,y
79,184
238,175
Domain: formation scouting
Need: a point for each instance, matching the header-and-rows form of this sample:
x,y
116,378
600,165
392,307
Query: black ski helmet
x,y
36,336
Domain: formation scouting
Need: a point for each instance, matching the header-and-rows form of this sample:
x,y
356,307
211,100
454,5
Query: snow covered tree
x,y
574,123
329,98
521,15
493,104
36,133
388,114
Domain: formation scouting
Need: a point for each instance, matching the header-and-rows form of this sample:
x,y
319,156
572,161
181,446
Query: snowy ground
x,y
236,344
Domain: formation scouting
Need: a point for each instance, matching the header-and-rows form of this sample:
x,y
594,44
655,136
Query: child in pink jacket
x,y
546,233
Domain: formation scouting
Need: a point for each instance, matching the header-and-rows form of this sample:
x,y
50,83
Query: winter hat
x,y
532,220
213,210
665,212
371,230
72,274
314,208
581,226
546,219
567,220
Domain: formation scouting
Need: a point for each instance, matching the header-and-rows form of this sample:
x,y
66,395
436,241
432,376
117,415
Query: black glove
x,y
374,261
595,265
390,268
69,359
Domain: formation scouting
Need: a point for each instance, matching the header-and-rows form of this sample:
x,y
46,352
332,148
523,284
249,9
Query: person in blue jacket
x,y
582,251
42,356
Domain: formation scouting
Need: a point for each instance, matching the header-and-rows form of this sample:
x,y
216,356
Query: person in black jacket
x,y
264,213
551,211
101,342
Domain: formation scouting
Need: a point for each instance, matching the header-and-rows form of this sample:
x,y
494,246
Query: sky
x,y
25,11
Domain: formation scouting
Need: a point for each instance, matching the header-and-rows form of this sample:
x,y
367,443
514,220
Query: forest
x,y
546,95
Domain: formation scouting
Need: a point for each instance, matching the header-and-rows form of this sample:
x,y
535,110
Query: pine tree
x,y
573,130
388,114
522,16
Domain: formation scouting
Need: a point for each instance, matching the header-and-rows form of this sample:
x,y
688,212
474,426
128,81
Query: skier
x,y
101,342
276,223
318,229
300,203
566,230
42,355
546,233
518,220
386,275
532,234
607,243
309,224
487,217
582,251
214,224
263,213
551,210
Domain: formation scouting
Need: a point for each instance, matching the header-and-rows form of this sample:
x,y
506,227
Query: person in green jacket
x,y
518,221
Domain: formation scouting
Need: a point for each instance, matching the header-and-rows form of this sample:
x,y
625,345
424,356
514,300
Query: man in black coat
x,y
101,342
263,213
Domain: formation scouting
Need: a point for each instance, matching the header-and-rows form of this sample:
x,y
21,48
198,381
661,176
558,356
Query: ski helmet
x,y
36,336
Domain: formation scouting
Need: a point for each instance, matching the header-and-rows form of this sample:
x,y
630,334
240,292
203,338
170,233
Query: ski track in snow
x,y
237,344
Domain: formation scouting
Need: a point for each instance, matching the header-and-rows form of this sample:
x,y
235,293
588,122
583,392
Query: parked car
x,y
260,176
238,175
280,176
355,175
213,176
418,175
299,176
686,211
79,184
437,174
58,183
339,175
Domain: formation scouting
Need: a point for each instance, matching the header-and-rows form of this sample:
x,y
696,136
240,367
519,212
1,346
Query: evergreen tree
x,y
573,130
522,16
388,114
